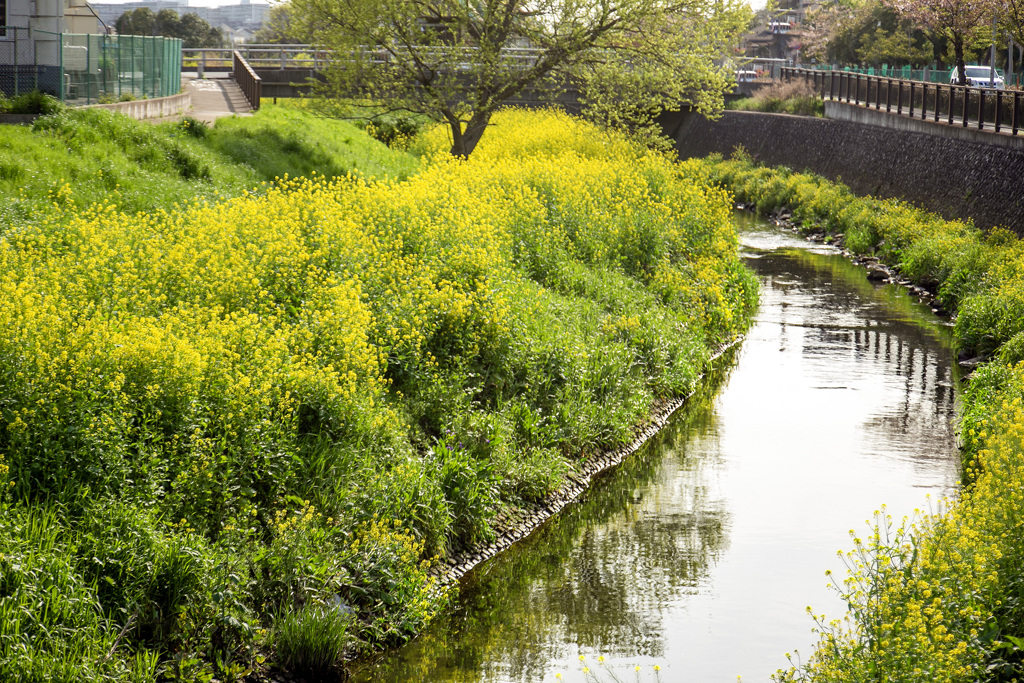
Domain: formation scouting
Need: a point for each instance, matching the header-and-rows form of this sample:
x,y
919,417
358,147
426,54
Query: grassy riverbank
x,y
940,598
242,424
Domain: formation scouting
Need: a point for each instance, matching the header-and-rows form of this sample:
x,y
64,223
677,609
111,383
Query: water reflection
x,y
700,553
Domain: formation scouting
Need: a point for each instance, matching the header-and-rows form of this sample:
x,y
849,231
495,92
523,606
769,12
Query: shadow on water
x,y
559,579
701,551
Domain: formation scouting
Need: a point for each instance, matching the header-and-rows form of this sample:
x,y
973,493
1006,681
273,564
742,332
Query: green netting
x,y
101,68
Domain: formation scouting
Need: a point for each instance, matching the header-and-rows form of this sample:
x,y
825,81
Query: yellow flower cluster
x,y
226,359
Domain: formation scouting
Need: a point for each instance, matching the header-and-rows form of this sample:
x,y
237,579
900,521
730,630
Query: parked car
x,y
979,77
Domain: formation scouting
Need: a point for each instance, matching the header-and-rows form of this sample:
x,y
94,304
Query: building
x,y
245,15
780,33
62,48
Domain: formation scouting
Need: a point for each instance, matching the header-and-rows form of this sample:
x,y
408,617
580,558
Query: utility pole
x,y
992,53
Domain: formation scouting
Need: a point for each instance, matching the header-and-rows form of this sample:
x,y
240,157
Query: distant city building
x,y
780,34
241,16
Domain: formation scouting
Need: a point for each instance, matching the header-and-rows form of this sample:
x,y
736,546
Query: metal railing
x,y
247,80
981,108
312,57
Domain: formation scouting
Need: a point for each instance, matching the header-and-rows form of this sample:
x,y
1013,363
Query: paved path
x,y
214,97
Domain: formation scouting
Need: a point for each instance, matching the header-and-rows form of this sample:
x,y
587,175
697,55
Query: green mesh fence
x,y
100,68
82,68
906,73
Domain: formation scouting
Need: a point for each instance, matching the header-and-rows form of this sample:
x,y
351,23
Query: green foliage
x,y
88,156
941,596
392,129
228,415
313,640
34,102
193,30
630,60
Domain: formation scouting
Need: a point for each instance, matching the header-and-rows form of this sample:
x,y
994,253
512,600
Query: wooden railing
x,y
247,80
981,108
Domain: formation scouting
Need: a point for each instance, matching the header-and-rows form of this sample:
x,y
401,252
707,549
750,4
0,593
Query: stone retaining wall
x,y
953,177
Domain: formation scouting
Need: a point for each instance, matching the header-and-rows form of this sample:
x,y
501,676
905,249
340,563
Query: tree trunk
x,y
465,141
958,52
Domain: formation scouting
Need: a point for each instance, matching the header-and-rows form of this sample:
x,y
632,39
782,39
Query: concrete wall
x,y
957,178
155,108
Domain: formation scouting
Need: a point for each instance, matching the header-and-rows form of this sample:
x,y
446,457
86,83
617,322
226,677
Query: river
x,y
700,554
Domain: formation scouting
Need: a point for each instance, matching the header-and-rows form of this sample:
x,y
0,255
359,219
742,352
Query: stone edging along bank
x,y
514,526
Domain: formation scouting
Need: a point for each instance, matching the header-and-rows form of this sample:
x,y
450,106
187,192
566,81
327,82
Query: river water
x,y
701,553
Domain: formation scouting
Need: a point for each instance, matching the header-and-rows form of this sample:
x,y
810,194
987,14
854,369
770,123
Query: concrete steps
x,y
216,97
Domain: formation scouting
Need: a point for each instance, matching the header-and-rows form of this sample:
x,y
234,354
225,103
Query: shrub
x,y
784,97
34,102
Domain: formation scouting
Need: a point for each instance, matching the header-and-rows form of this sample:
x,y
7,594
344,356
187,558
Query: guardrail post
x,y
999,109
911,99
981,108
924,101
1016,106
938,88
899,97
949,113
963,113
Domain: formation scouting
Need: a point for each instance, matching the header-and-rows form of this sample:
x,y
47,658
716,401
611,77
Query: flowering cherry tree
x,y
954,18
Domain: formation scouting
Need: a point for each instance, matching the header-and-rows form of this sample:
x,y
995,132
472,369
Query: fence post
x,y
950,111
963,113
1016,106
938,88
911,99
999,109
899,97
981,108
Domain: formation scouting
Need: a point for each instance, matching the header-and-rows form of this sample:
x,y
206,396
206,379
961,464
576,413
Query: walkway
x,y
215,96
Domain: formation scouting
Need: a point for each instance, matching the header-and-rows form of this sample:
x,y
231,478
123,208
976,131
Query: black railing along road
x,y
982,108
247,80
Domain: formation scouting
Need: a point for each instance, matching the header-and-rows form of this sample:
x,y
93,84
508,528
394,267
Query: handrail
x,y
283,57
247,79
983,108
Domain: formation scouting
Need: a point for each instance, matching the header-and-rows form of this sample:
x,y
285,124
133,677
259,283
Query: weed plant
x,y
782,97
222,419
939,597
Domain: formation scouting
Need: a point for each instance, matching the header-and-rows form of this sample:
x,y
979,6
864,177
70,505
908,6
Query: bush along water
x,y
939,597
245,428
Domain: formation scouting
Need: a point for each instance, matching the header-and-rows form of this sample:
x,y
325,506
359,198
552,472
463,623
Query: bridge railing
x,y
247,79
966,106
286,57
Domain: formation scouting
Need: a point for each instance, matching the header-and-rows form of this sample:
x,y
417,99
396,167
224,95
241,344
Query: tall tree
x,y
193,30
457,61
140,22
280,26
956,19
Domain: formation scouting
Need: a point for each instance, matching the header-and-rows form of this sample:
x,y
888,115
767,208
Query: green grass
x,y
90,156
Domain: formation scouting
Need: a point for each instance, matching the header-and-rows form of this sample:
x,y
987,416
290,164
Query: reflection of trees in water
x,y
856,324
596,575
601,574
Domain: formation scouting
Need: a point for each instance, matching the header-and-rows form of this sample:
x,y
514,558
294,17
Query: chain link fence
x,y
27,64
82,69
